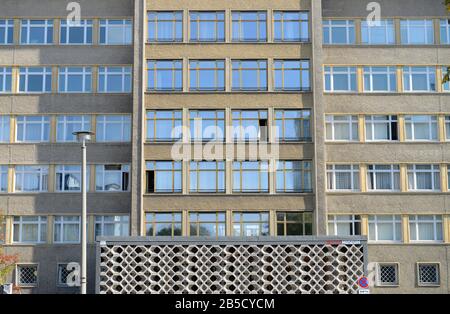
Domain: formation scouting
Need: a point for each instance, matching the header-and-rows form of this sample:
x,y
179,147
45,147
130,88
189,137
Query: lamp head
x,y
83,135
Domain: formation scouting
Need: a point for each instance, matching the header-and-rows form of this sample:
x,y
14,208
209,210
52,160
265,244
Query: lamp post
x,y
83,137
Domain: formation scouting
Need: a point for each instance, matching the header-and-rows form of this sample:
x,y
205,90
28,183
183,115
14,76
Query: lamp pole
x,y
83,137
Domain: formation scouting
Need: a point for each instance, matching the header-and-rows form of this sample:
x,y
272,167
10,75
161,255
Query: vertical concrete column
x,y
229,222
441,128
228,124
12,129
54,79
273,222
56,31
228,21
359,79
9,229
227,74
358,37
16,39
270,76
228,176
398,34
405,228
51,178
91,229
93,127
50,227
185,177
444,177
403,178
95,31
363,177
270,36
91,174
95,79
272,175
186,26
399,79
439,77
185,75
361,128
185,222
11,179
270,125
401,127
15,78
185,124
437,31
53,127
446,228
365,225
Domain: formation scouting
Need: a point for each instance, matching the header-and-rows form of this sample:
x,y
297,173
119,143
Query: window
x,y
385,228
165,75
30,229
207,75
164,176
380,79
31,179
207,176
6,32
381,128
425,227
250,176
380,32
344,225
387,274
64,278
163,224
114,79
207,125
294,223
165,26
428,274
3,180
75,80
424,178
76,33
249,26
35,80
340,79
447,127
35,32
164,125
249,125
249,75
112,226
246,224
68,178
293,176
383,177
343,177
291,26
113,128
33,129
419,79
291,75
417,32
27,275
5,80
210,224
4,129
339,32
421,128
446,86
112,178
66,125
116,32
445,32
341,128
67,229
293,125
207,26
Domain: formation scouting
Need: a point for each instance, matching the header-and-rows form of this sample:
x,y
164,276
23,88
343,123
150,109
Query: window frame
x,y
385,24
444,27
327,26
352,121
387,71
220,222
354,172
174,222
196,171
106,25
176,72
305,84
63,171
62,122
4,170
106,71
48,28
350,72
123,223
405,25
303,119
5,128
65,73
239,19
303,168
239,171
428,284
433,171
100,173
175,170
17,275
414,222
305,221
59,222
85,24
371,122
177,21
5,76
282,20
353,220
8,26
237,70
395,222
42,225
409,120
219,124
22,122
379,283
393,173
101,127
410,71
41,170
240,130
242,223
196,72
218,37
176,121
24,76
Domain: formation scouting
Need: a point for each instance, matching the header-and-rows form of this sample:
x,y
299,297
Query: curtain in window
x,y
30,233
70,233
426,231
343,180
383,181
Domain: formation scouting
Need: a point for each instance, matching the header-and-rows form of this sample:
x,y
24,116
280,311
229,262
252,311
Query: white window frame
x,y
84,23
3,175
388,71
44,123
395,221
106,70
444,27
84,120
61,169
378,275
386,24
17,277
4,73
354,170
352,220
414,223
25,23
9,23
100,175
348,25
102,123
435,169
446,86
426,23
24,170
371,122
392,173
447,128
428,284
105,23
41,222
45,72
5,125
123,222
408,71
331,71
352,120
409,120
59,224
66,73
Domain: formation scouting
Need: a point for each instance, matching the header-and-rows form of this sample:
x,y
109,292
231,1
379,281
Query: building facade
x,y
227,119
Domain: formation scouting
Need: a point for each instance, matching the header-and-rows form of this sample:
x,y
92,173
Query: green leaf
x,y
446,77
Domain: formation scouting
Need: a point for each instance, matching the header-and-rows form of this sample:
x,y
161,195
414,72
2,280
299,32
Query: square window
x,y
428,274
387,275
27,275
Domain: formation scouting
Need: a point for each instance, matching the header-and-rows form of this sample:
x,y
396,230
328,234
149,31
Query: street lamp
x,y
83,137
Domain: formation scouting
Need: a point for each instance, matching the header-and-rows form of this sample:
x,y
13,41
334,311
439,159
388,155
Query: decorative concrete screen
x,y
251,265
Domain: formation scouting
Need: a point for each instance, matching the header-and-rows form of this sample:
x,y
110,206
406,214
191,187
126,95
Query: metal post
x,y
83,219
